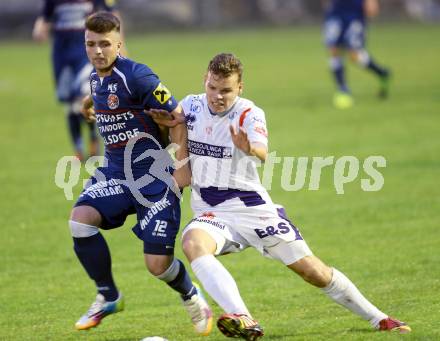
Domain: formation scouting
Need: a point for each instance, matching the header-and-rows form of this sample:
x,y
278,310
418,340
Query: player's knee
x,y
353,55
86,215
360,57
170,272
191,247
197,243
158,264
80,230
334,52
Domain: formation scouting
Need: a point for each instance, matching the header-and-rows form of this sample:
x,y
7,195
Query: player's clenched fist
x,y
87,109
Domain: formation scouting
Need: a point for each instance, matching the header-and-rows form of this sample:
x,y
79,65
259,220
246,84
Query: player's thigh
x,y
219,227
81,74
333,32
269,230
64,80
354,35
107,196
158,224
63,75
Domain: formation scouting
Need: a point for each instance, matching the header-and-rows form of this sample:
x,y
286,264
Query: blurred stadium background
x,y
16,16
388,242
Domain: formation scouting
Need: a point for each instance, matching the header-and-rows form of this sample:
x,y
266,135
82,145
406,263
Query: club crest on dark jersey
x,y
113,101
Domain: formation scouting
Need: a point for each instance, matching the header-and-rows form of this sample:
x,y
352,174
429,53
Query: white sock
x,y
344,292
219,284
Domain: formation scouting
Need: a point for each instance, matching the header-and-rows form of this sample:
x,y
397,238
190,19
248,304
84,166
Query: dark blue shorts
x,y
157,224
71,70
348,34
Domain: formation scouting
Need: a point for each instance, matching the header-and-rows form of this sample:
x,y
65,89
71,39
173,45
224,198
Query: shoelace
x,y
96,306
194,310
248,322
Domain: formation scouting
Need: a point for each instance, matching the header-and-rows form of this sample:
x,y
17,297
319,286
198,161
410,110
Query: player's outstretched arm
x,y
41,30
164,135
175,121
167,119
179,135
87,109
241,141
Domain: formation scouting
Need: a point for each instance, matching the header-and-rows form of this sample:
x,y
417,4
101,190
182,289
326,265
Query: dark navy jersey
x,y
119,102
68,16
346,9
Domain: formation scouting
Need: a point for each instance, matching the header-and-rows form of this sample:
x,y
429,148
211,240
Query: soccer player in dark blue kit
x,y
65,19
345,30
121,90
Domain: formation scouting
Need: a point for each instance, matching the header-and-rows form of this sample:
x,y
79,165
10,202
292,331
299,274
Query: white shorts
x,y
264,227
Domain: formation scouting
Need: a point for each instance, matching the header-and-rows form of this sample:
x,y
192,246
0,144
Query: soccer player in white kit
x,y
227,137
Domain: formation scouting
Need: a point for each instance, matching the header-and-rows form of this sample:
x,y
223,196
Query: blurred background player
x,y
345,31
64,20
121,90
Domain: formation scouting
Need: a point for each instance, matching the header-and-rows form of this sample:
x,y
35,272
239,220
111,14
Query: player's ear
x,y
240,88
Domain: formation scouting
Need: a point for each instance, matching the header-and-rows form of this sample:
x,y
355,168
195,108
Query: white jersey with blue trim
x,y
223,175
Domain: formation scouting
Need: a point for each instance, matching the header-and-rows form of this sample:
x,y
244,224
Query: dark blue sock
x,y
377,69
337,67
182,283
92,128
74,123
94,255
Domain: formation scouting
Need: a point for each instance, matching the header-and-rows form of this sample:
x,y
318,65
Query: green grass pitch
x,y
387,242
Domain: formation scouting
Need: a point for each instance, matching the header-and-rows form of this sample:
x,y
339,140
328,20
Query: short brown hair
x,y
226,64
103,22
